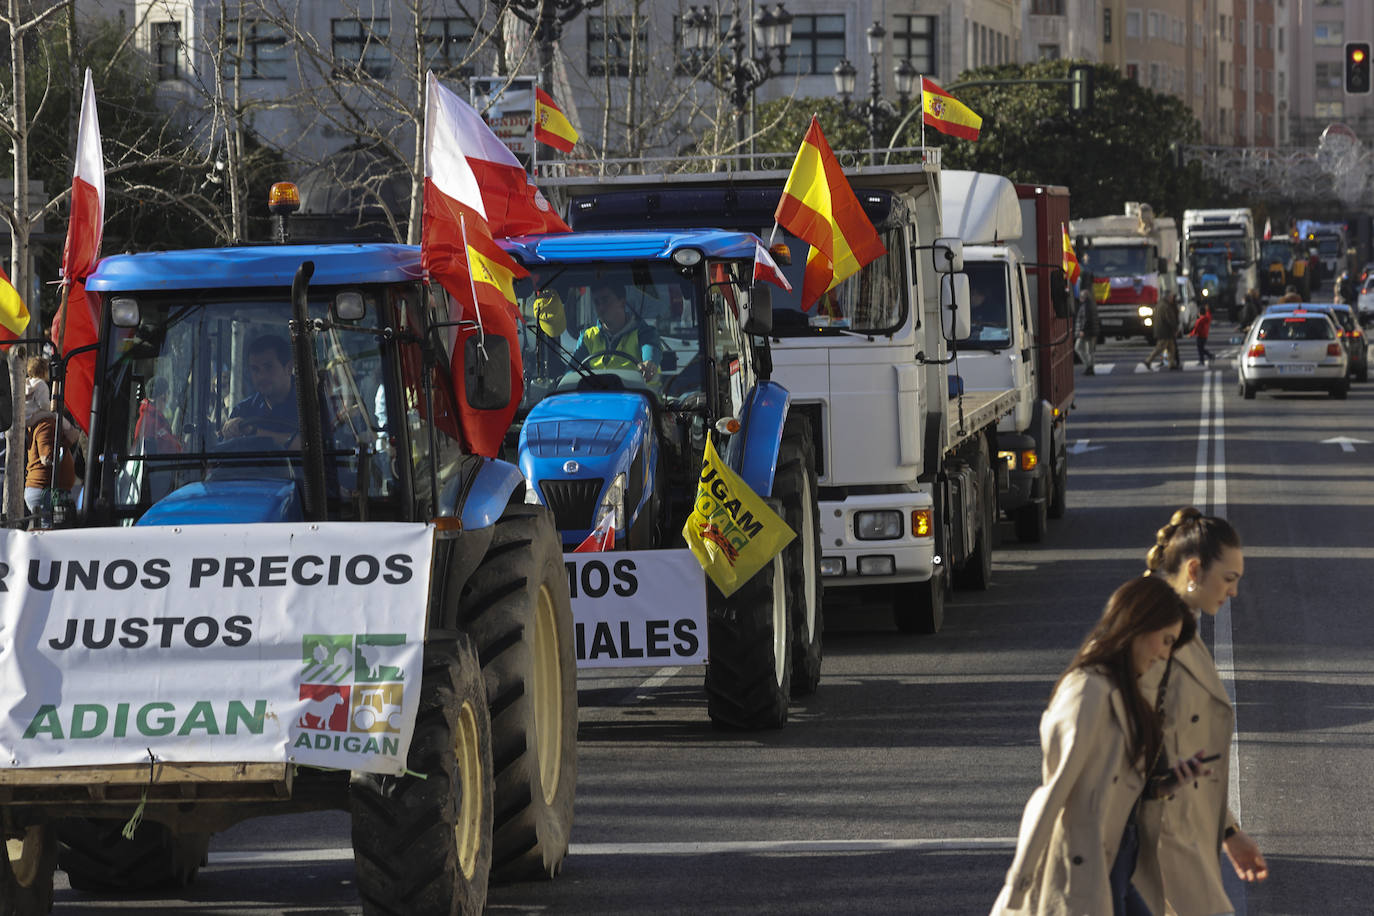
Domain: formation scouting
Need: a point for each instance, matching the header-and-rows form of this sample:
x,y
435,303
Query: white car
x,y
1295,352
1365,300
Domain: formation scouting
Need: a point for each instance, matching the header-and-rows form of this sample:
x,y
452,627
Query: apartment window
x,y
817,44
1240,79
167,50
1223,116
360,44
1330,75
1328,33
1224,26
1107,25
1259,36
1152,23
447,40
1279,82
1133,23
1049,52
1280,44
1221,74
914,40
262,56
1047,7
609,40
1240,32
1330,2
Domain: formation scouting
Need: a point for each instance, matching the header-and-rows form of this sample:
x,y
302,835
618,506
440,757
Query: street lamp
x,y
904,78
547,18
846,80
744,68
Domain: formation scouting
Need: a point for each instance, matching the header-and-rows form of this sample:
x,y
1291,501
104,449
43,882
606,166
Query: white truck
x,y
1003,348
904,449
1135,254
1231,228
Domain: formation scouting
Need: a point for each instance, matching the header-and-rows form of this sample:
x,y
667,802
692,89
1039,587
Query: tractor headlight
x,y
613,500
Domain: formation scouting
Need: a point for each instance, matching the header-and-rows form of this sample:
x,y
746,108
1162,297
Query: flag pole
x,y
923,114
472,285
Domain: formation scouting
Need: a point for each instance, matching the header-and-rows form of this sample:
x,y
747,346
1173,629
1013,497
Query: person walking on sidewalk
x,y
1200,556
1088,325
1080,850
1201,328
1166,334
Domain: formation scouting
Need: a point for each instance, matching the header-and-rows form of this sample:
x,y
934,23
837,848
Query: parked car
x,y
1297,351
1348,328
1365,297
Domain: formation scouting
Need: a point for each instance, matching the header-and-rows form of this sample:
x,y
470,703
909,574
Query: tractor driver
x,y
271,410
617,336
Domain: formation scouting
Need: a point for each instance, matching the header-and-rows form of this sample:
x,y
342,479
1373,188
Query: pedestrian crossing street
x,y
1225,360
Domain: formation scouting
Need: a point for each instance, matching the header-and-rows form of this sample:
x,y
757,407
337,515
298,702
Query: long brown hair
x,y
1189,535
1141,606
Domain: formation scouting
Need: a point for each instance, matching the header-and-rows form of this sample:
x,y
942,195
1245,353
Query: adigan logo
x,y
352,686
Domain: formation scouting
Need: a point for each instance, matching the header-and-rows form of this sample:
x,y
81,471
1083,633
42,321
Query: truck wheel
x,y
976,573
97,856
1032,522
516,608
1059,499
26,882
749,643
422,844
795,486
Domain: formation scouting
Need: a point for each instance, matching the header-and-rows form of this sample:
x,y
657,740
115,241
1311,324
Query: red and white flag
x,y
457,250
512,203
601,538
75,324
1268,230
766,270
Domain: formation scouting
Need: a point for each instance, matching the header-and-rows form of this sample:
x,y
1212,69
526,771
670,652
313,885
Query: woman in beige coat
x,y
1200,556
1099,736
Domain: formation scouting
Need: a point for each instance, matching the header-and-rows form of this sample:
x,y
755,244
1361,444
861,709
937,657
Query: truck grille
x,y
572,502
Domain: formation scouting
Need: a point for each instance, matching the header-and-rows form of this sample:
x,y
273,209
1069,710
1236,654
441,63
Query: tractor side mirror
x,y
954,319
486,372
756,316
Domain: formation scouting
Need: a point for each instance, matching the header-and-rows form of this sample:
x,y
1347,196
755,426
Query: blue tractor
x,y
638,346
349,351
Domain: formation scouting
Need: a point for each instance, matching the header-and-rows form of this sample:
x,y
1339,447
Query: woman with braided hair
x,y
1200,556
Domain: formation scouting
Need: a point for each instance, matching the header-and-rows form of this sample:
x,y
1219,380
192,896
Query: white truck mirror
x,y
954,306
948,255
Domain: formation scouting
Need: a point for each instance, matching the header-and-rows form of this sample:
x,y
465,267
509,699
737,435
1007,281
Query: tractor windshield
x,y
636,325
204,388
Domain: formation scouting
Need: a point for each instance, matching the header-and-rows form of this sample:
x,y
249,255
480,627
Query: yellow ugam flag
x,y
731,530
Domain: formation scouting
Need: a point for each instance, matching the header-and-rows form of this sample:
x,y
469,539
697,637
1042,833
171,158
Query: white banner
x,y
633,608
508,105
213,643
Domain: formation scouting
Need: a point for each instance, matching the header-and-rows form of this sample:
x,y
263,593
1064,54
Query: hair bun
x,y
1185,515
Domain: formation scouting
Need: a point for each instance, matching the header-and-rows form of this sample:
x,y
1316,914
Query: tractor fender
x,y
753,451
485,498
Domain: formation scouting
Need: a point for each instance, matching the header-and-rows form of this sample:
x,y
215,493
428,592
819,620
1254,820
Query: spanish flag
x,y
14,315
947,114
819,207
551,126
1102,289
1071,268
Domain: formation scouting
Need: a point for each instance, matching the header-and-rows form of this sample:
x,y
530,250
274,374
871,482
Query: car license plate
x,y
1296,370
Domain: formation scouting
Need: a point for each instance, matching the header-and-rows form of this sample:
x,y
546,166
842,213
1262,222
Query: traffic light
x,y
1357,67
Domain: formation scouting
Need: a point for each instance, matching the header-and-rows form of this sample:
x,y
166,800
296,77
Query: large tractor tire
x,y
794,485
422,844
26,882
749,672
97,856
516,608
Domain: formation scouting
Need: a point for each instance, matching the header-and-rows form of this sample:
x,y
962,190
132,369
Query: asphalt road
x,y
898,787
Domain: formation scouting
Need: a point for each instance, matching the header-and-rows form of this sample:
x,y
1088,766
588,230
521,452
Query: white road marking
x,y
1103,368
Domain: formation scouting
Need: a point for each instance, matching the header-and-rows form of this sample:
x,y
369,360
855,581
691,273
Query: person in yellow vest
x,y
618,340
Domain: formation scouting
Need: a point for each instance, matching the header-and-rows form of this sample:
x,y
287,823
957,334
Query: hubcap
x,y
780,622
548,693
467,832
